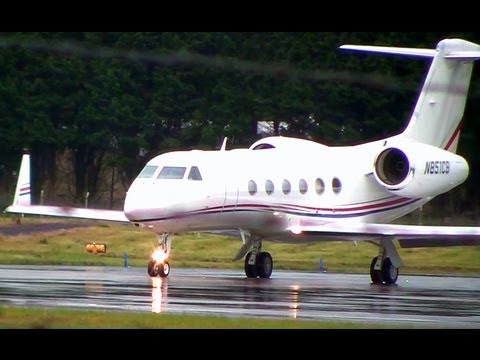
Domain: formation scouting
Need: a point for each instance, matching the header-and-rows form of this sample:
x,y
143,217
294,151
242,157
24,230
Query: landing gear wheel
x,y
152,268
155,269
264,265
164,269
375,275
389,272
250,270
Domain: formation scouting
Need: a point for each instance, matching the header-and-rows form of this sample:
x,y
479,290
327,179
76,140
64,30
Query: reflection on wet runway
x,y
158,293
420,301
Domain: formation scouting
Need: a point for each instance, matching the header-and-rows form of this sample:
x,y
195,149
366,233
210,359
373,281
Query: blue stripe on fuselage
x,y
268,208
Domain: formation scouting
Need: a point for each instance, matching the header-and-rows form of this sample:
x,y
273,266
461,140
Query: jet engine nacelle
x,y
417,170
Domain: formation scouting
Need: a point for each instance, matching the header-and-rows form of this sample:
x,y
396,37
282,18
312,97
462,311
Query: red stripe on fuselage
x,y
330,209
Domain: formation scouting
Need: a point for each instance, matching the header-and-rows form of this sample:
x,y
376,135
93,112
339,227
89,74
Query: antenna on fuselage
x,y
224,145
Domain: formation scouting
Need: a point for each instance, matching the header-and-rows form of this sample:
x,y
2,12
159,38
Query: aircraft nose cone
x,y
145,201
130,208
136,202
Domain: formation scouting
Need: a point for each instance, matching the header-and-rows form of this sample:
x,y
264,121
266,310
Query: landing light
x,y
159,256
297,230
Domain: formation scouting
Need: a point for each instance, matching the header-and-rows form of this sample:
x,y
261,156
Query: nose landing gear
x,y
158,269
159,265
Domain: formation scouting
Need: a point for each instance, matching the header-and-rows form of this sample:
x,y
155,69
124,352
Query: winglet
x,y
224,144
22,192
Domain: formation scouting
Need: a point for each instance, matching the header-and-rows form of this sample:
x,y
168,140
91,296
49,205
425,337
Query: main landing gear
x,y
382,268
388,273
258,263
159,265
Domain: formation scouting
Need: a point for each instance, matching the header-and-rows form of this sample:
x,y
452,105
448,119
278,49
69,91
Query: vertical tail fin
x,y
22,192
436,119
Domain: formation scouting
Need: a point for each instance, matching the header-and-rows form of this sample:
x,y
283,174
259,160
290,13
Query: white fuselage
x,y
298,182
374,182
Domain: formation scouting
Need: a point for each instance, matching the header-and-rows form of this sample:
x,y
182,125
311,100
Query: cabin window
x,y
252,187
303,186
147,172
194,174
172,172
319,186
286,187
336,185
269,187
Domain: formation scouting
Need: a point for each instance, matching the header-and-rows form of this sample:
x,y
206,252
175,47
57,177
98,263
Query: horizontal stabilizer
x,y
429,53
463,55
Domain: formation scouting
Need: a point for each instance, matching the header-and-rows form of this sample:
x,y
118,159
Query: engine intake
x,y
416,170
392,166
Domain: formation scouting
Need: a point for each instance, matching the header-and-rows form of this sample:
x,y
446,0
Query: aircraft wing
x,y
409,236
22,202
82,213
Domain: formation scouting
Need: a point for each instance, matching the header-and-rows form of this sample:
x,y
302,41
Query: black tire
x,y
389,272
250,270
375,275
164,269
152,269
264,265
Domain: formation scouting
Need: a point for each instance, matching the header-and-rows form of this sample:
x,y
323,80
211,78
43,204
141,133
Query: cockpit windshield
x,y
172,172
194,174
147,172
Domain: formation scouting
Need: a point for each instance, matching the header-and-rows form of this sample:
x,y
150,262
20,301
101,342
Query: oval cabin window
x,y
319,186
252,187
303,186
286,187
269,187
336,185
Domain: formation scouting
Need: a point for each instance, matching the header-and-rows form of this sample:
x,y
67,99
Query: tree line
x,y
93,108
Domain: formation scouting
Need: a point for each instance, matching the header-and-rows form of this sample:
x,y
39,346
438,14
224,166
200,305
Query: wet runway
x,y
416,301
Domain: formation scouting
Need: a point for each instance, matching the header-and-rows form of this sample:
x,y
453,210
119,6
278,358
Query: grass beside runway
x,y
44,318
67,247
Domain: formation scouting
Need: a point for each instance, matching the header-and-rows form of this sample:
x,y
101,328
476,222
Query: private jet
x,y
293,190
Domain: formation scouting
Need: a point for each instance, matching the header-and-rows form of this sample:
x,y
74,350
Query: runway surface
x,y
416,301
